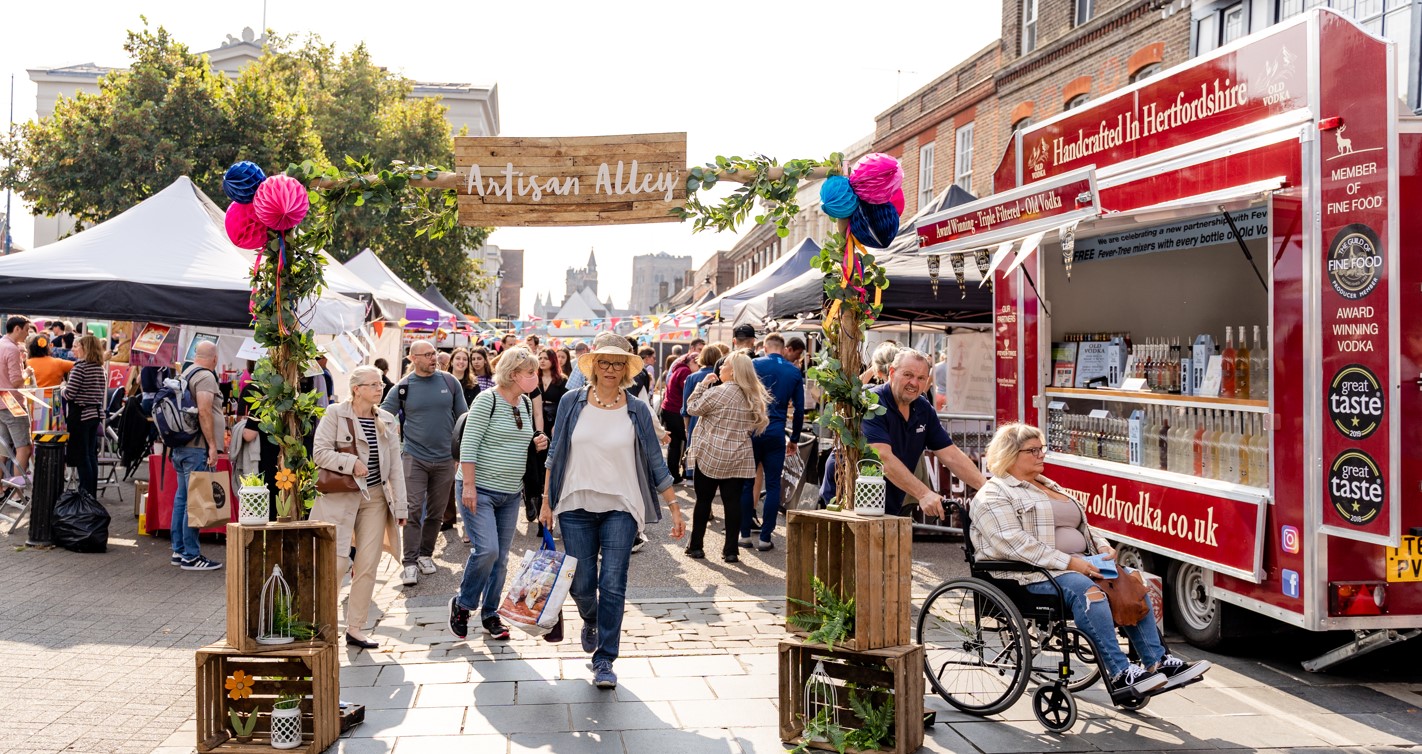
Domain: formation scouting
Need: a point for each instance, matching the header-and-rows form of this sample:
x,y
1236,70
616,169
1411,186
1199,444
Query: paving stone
x,y
482,694
463,744
575,691
448,672
726,713
744,686
662,689
518,718
382,745
691,741
700,666
597,742
380,697
399,722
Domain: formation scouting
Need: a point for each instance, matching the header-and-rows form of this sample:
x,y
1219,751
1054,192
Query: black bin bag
x,y
81,524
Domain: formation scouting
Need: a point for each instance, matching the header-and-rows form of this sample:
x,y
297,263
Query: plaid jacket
x,y
721,444
1012,520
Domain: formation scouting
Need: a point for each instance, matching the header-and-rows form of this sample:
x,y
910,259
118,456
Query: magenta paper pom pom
x,y
876,177
898,199
281,202
243,227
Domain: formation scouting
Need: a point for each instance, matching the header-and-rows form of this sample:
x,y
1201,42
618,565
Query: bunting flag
x,y
636,321
616,320
379,327
558,324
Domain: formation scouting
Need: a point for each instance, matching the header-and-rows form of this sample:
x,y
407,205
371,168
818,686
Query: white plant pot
x,y
286,728
869,491
253,505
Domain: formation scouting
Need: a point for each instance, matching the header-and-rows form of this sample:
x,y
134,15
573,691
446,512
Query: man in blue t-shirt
x,y
786,385
901,434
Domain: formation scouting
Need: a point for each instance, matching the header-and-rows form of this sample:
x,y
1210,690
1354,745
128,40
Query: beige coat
x,y
335,431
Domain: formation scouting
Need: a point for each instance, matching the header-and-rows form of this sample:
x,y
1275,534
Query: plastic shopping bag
x,y
533,602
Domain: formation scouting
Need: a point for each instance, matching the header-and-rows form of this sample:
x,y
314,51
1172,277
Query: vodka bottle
x,y
1229,448
1245,450
1227,383
1163,430
1150,451
1260,455
1210,466
1241,367
1197,442
1259,369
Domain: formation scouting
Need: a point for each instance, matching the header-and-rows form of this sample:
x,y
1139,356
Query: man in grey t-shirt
x,y
427,402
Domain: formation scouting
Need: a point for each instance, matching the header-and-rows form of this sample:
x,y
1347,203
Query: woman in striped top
x,y
489,487
84,395
371,519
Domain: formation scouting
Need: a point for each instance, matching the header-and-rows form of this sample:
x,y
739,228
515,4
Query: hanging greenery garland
x,y
866,203
288,219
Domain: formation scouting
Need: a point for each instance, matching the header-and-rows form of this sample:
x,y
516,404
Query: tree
x,y
170,114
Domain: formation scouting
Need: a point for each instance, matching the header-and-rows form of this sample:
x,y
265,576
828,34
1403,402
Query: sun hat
x,y
605,346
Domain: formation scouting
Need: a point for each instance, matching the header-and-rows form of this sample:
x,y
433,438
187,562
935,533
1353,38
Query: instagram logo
x,y
1289,539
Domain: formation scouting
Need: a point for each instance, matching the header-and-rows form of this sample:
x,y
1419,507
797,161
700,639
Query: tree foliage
x,y
171,115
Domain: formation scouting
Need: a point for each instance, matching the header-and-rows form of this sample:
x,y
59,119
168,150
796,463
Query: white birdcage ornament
x,y
869,490
273,618
819,700
253,505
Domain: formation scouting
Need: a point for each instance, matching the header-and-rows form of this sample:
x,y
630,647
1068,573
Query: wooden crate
x,y
312,672
140,498
898,669
868,559
306,552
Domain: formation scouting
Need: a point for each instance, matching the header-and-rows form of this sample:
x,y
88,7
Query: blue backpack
x,y
175,411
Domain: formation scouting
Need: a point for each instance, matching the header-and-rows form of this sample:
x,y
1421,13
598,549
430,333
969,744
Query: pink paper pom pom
x,y
243,227
281,202
898,199
876,177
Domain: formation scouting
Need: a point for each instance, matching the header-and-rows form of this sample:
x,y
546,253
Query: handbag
x,y
1127,595
328,481
534,599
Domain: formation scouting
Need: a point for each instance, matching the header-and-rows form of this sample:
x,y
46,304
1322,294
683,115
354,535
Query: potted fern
x,y
828,619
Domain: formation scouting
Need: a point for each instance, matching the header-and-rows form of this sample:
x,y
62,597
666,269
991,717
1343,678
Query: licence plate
x,y
1404,562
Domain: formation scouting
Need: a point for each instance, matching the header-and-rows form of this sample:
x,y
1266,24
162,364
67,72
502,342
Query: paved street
x,y
98,657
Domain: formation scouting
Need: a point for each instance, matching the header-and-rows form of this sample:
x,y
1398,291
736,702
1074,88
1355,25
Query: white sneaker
x,y
426,564
410,576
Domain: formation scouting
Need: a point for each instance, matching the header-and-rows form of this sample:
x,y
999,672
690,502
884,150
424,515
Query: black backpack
x,y
175,411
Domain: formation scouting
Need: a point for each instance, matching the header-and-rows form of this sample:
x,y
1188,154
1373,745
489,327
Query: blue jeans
x,y
1094,619
185,538
491,530
769,447
600,589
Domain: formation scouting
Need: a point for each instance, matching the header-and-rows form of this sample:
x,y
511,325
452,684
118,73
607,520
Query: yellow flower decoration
x,y
239,685
285,479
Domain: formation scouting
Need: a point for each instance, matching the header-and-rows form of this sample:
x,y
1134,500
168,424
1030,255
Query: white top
x,y
602,465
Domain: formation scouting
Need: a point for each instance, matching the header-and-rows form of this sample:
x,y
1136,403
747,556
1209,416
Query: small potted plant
x,y
286,721
242,725
254,499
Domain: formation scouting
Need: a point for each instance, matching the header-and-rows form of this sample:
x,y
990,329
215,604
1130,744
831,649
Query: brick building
x,y
1053,55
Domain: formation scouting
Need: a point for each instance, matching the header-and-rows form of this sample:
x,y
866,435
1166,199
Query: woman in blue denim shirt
x,y
605,472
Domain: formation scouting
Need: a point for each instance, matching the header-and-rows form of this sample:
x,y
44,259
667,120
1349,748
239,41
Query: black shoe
x,y
1135,680
695,553
352,641
458,620
496,628
731,558
446,526
1177,672
639,543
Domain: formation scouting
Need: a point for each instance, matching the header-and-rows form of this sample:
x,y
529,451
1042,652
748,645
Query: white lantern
x,y
253,504
286,725
274,616
870,490
819,699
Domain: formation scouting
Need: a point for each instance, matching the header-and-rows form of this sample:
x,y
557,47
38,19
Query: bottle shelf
x,y
1160,399
1186,482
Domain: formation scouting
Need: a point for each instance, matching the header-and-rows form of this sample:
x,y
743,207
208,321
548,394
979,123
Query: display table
x,y
163,483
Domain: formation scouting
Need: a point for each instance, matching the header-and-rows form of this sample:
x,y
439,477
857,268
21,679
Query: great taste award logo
x,y
1355,261
1355,402
1356,487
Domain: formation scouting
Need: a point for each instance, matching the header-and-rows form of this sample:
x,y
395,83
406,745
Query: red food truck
x,y
1270,189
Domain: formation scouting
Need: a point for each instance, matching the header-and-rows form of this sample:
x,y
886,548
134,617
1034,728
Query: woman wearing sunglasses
x,y
605,473
489,487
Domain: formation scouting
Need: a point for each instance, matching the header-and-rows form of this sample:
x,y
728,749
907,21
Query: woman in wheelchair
x,y
1023,516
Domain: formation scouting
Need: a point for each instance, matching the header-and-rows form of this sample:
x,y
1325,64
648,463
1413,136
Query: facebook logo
x,y
1291,583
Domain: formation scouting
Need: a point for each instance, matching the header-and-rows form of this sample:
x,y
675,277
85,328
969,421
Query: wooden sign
x,y
580,180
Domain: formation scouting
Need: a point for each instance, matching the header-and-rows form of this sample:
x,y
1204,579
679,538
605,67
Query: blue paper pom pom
x,y
875,225
837,197
241,182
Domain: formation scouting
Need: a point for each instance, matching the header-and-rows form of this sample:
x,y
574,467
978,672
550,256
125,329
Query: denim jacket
x,y
652,475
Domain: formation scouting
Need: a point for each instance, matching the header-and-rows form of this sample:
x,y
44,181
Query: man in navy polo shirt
x,y
786,385
901,434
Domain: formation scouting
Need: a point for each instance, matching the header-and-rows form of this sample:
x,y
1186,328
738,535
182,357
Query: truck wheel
x,y
1134,558
1199,617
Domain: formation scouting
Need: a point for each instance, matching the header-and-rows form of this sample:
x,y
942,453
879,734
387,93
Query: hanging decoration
x,y
1068,239
960,263
933,262
983,260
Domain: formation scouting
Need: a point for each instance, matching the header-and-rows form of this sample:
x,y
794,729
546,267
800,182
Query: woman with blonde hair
x,y
370,519
605,473
731,406
459,366
877,372
84,392
489,487
1021,515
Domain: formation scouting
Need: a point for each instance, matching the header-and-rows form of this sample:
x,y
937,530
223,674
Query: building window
x,y
1085,10
1021,125
1231,23
1029,26
1145,72
925,175
1077,101
963,158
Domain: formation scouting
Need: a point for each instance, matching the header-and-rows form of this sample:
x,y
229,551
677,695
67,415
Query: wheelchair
x,y
986,638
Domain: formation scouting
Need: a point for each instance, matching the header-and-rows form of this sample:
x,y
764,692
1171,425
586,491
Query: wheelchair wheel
x,y
1054,707
976,648
1134,705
